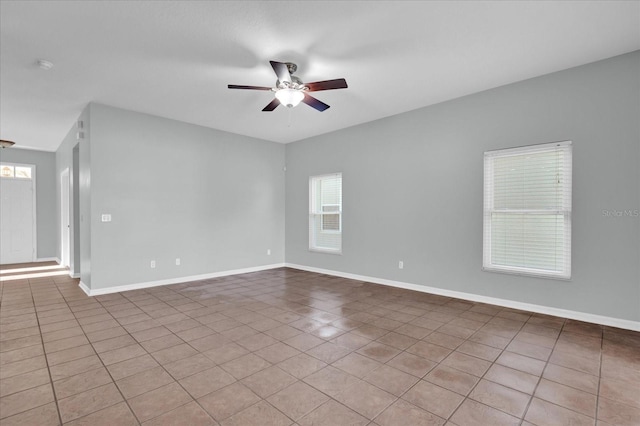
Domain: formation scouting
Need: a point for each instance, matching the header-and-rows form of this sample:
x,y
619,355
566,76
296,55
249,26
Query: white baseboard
x,y
72,275
564,313
48,259
84,288
148,284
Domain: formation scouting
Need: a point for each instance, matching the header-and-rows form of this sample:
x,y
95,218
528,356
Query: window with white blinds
x,y
325,213
527,210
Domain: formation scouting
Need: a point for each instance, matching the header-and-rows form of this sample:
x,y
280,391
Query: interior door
x,y
16,220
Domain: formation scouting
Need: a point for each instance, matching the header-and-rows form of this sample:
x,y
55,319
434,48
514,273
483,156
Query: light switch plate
x,y
106,218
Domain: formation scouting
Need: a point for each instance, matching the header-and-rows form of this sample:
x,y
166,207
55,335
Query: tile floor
x,y
286,347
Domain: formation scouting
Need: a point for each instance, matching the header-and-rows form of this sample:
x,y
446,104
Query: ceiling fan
x,y
290,90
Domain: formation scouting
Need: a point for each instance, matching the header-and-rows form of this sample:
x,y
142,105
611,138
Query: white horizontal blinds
x,y
527,210
325,213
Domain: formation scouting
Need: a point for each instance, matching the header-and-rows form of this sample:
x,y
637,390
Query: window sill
x,y
523,273
325,251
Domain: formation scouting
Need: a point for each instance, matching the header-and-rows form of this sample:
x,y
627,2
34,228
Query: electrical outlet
x,y
153,263
401,265
177,261
268,252
106,217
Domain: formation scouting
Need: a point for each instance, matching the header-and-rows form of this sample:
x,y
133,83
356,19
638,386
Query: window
x,y
527,210
325,213
15,171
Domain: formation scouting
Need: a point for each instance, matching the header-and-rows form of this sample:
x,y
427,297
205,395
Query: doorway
x,y
17,213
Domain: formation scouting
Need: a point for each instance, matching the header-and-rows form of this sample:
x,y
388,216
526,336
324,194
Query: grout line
x,y
542,373
599,375
53,391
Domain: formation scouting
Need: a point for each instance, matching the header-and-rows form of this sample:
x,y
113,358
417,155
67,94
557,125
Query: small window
x,y
23,172
325,213
16,171
527,210
6,171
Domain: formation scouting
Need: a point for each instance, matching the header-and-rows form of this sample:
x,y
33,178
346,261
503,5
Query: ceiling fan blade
x,y
314,103
235,86
339,83
281,71
272,105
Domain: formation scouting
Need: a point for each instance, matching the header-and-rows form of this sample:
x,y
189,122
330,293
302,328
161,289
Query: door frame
x,y
34,242
65,213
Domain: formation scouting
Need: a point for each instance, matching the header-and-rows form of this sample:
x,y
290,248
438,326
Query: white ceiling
x,y
175,58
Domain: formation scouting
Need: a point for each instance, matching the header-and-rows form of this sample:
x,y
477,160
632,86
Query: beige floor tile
x,y
24,381
122,354
73,367
544,413
402,413
452,379
207,381
188,366
412,364
23,366
245,366
357,365
174,353
25,400
331,381
268,381
261,413
332,413
297,400
81,382
500,397
429,351
472,413
616,413
433,398
158,401
301,365
44,415
190,413
511,378
277,352
365,399
567,397
21,354
228,401
145,381
391,379
467,363
328,352
87,402
118,414
378,351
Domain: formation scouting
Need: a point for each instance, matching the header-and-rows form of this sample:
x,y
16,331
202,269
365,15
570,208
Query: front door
x,y
17,214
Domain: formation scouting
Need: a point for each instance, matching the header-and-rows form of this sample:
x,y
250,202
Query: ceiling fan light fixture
x,y
6,144
289,97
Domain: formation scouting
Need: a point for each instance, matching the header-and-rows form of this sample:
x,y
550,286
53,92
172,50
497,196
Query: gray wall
x,y
46,225
175,190
412,188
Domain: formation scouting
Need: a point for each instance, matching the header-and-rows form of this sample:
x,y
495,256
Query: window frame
x,y
316,210
331,213
14,166
564,211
